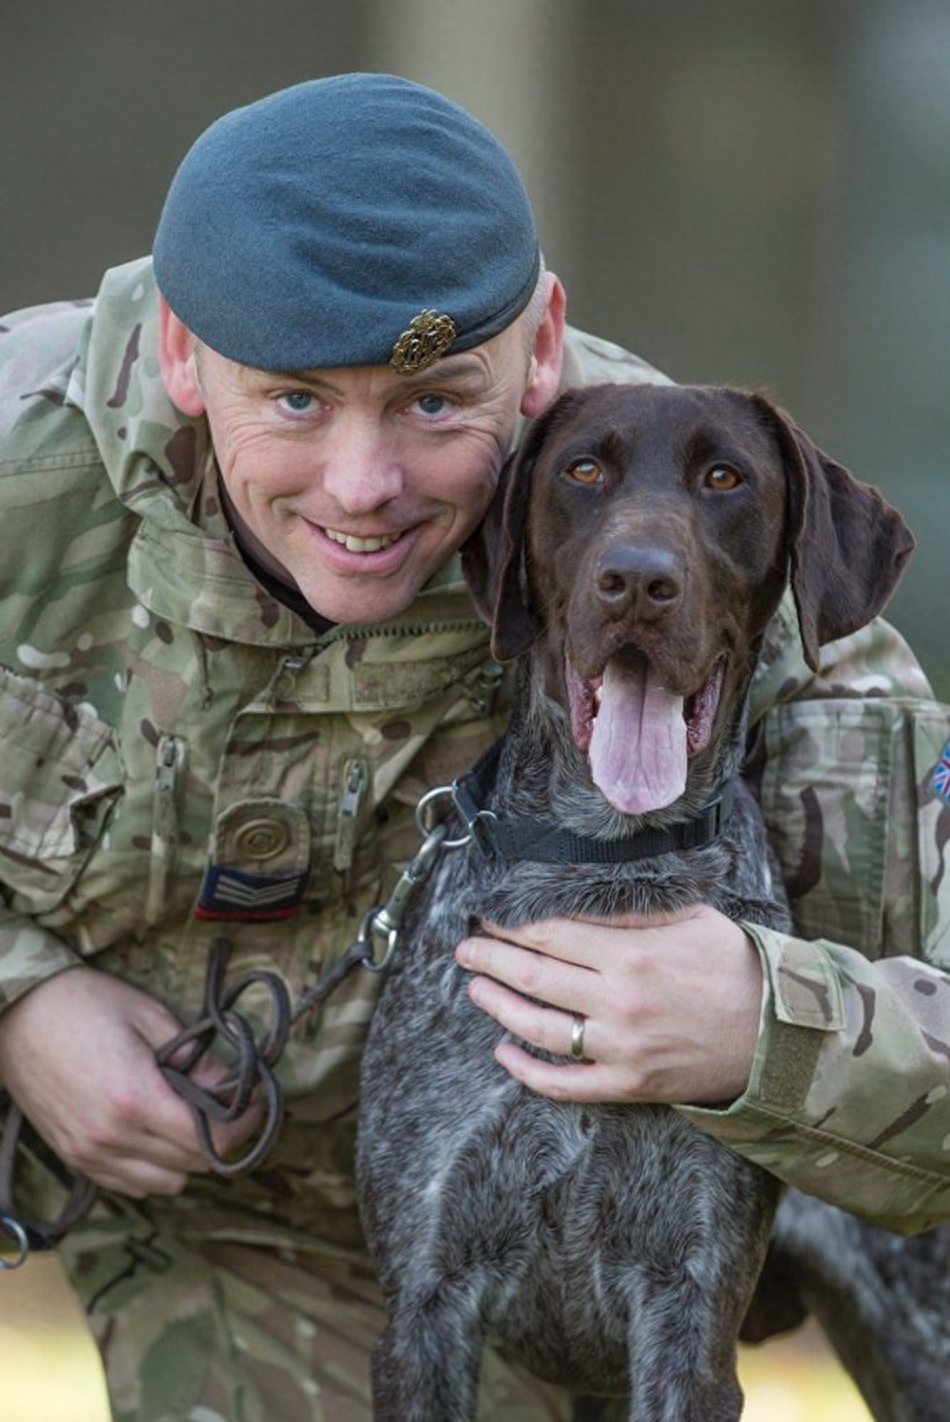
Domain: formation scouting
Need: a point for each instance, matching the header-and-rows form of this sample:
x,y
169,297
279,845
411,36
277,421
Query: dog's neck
x,y
532,795
480,800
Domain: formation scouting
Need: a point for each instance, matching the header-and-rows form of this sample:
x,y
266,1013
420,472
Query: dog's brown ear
x,y
492,563
847,546
493,557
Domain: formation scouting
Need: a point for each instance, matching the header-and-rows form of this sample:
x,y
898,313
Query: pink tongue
x,y
638,746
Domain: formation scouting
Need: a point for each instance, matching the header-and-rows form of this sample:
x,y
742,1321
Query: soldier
x,y
236,653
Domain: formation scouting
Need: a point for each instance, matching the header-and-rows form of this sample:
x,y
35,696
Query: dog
x,y
634,552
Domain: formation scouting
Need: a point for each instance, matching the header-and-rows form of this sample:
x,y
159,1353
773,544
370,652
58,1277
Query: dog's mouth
x,y
639,736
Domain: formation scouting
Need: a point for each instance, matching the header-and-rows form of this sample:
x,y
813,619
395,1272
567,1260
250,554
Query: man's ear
x,y
544,373
178,359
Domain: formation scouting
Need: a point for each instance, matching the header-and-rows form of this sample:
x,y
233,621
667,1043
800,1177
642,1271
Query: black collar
x,y
515,837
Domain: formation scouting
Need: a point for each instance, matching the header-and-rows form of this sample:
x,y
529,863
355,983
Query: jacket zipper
x,y
170,762
409,629
356,779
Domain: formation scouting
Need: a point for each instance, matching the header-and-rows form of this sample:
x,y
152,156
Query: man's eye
x,y
298,402
431,404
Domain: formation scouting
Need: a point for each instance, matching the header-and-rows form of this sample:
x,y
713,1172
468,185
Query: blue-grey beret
x,y
354,220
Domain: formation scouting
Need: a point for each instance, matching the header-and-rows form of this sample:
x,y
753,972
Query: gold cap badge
x,y
429,336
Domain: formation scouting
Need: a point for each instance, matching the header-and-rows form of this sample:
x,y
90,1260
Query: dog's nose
x,y
647,582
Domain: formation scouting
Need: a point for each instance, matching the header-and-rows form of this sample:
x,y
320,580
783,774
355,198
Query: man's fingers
x,y
214,1082
549,1028
571,942
580,1082
552,980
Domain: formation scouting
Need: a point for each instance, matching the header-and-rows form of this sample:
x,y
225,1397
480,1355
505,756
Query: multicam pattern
x,y
159,709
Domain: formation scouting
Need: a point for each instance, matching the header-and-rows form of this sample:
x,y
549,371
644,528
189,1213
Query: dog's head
x,y
641,539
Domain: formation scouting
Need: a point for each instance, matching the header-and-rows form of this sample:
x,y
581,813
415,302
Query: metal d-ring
x,y
21,1241
446,792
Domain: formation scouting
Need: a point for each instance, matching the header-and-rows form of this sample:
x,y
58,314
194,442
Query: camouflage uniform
x,y
170,729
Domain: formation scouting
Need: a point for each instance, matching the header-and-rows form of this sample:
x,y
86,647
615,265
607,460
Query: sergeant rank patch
x,y
257,898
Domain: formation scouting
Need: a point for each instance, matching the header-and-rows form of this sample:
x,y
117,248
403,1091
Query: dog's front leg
x,y
683,1357
426,1365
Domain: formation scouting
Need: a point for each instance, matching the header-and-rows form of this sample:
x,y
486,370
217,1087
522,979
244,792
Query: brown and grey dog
x,y
636,549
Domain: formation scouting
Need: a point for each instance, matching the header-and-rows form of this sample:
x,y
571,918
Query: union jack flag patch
x,y
230,894
940,779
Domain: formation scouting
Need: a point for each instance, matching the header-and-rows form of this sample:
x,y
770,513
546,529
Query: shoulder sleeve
x,y
589,360
60,777
850,1094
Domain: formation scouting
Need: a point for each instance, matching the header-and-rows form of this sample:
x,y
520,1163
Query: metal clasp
x,y
381,925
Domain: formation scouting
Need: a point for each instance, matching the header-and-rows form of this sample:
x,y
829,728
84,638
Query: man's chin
x,y
361,605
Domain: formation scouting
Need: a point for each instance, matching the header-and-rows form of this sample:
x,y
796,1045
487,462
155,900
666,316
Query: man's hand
x,y
670,1008
77,1056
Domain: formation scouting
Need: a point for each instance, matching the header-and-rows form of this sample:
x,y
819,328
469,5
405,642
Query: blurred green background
x,y
745,191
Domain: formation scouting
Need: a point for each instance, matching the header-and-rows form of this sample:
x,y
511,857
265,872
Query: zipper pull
x,y
355,784
483,686
169,765
169,762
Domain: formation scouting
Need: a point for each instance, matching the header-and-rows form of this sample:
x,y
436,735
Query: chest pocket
x,y
854,798
60,775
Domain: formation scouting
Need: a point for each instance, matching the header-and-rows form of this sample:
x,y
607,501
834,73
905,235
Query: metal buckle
x,y
481,823
20,1241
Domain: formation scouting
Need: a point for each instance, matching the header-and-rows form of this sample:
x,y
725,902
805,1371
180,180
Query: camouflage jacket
x,y
176,743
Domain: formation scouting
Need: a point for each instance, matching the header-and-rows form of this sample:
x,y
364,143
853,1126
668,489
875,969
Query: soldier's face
x,y
357,484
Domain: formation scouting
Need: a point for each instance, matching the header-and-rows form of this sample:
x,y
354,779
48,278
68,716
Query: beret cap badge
x,y
428,338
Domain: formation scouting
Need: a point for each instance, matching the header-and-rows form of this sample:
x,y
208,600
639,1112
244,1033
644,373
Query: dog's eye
x,y
584,471
721,478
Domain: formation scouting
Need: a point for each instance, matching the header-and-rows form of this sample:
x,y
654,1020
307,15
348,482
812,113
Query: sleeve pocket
x,y
60,775
826,797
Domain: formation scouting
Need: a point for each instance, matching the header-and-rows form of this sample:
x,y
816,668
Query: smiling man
x,y
236,648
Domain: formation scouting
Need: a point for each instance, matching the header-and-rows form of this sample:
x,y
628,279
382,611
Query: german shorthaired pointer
x,y
636,548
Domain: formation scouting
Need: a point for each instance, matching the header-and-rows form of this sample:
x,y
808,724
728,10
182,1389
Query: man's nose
x,y
361,471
